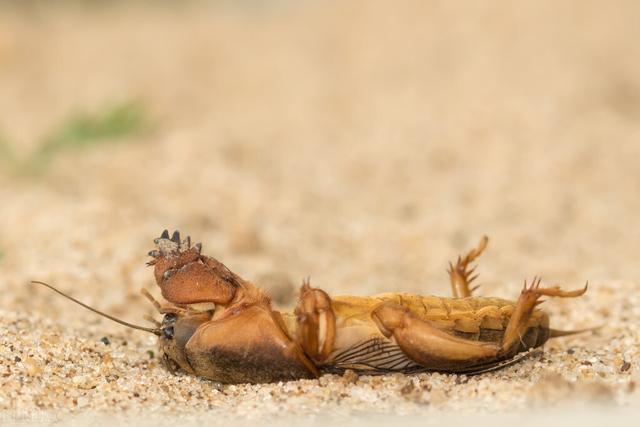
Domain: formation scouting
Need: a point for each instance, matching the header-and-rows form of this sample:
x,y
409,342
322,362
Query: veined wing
x,y
375,355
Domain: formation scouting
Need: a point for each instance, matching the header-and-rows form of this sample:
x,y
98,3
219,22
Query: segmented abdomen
x,y
475,318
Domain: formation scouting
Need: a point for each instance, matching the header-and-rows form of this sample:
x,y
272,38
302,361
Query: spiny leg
x,y
527,302
460,274
316,322
438,349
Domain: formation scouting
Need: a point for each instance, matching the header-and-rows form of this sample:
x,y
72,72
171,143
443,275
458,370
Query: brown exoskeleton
x,y
219,326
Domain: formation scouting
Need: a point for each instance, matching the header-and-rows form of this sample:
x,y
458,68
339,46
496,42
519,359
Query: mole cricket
x,y
220,326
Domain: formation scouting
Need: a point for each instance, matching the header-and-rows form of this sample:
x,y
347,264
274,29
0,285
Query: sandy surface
x,y
359,145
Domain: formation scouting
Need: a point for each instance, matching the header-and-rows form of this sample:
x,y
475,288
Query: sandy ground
x,y
360,145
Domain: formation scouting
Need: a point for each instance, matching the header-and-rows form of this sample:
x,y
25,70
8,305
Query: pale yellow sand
x,y
362,145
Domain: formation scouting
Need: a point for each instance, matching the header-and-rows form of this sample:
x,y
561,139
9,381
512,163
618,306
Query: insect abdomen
x,y
474,318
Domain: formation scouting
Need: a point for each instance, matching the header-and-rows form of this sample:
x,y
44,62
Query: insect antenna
x,y
155,331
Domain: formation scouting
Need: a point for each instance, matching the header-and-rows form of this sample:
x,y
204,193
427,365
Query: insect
x,y
220,326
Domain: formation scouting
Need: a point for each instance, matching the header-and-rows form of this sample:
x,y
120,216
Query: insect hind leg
x,y
429,346
527,302
438,349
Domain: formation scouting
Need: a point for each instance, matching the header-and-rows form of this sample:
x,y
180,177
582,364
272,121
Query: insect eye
x,y
169,318
168,332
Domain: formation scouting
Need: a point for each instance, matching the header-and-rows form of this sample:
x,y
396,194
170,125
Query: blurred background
x,y
363,143
358,143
